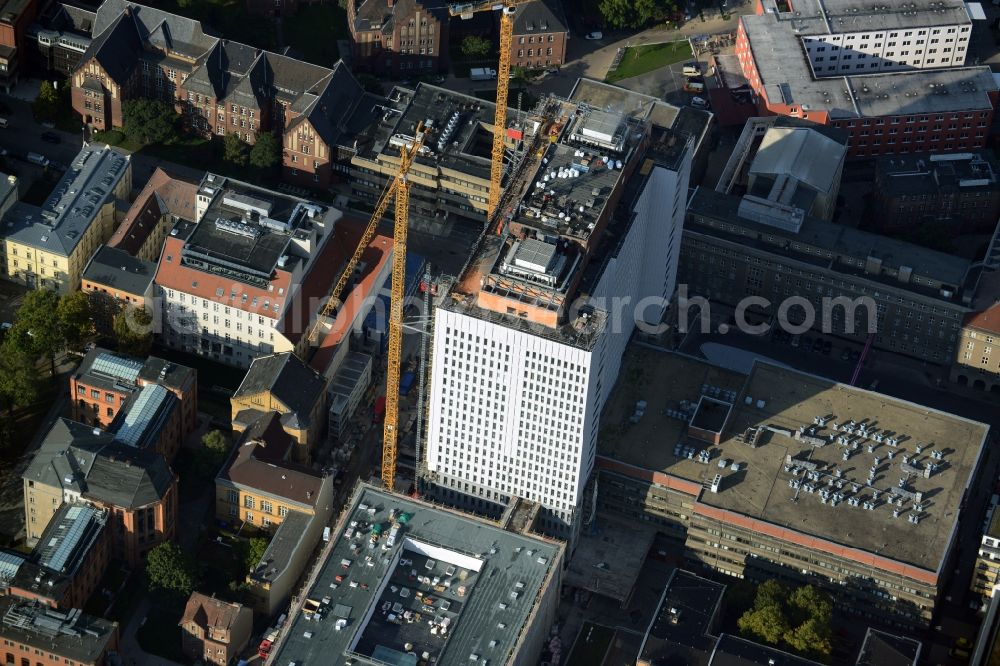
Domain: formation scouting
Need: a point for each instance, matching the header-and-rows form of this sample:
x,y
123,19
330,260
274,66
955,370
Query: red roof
x,y
985,320
164,193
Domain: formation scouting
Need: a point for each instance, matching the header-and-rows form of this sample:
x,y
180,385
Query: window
x,y
265,506
248,502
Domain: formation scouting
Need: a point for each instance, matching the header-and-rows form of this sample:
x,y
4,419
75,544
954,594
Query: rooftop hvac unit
x,y
716,482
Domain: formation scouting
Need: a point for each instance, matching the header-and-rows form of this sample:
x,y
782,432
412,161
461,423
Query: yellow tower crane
x,y
507,8
398,189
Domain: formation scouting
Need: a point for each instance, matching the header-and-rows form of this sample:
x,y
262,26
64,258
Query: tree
x,y
254,552
18,377
476,47
809,602
216,442
46,106
635,13
133,329
147,121
36,332
170,570
235,150
766,623
266,152
74,317
770,593
811,637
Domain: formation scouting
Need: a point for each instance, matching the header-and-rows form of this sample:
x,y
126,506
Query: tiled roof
x,y
209,612
985,320
163,194
118,270
540,16
260,464
288,379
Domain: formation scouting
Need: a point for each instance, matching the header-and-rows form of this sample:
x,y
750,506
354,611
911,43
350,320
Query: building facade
x,y
48,247
59,38
249,279
975,364
164,200
540,35
955,193
920,297
518,383
897,86
398,37
986,574
214,630
285,384
115,281
15,17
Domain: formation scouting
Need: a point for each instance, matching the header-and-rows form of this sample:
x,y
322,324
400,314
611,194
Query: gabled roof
x,y
289,380
540,16
808,156
985,320
329,108
118,270
116,48
260,464
209,612
379,13
164,193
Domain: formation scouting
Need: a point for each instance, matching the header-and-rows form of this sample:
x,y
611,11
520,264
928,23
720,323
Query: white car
x,y
595,35
699,102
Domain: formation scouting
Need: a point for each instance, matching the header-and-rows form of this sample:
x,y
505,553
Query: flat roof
x,y
69,633
775,403
776,43
444,569
884,649
682,626
842,249
118,270
735,651
927,174
608,560
248,229
59,224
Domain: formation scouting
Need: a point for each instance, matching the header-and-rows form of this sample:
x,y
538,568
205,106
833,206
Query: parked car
x,y
51,137
595,35
845,355
699,102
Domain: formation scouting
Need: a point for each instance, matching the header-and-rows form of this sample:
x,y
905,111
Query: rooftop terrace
x,y
431,581
828,460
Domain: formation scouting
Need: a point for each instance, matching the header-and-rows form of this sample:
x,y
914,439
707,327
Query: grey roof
x,y
289,379
115,47
10,562
287,539
682,627
495,578
734,651
540,16
119,270
808,157
929,174
144,416
106,369
88,461
61,221
185,34
329,110
711,213
884,649
67,633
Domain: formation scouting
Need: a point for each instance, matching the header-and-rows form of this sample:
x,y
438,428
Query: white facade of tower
x,y
515,413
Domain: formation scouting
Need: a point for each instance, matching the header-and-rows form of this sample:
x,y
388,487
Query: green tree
x,y
235,150
147,121
254,552
75,317
133,329
766,623
266,152
770,593
19,378
46,106
808,602
36,332
170,570
476,47
812,637
635,13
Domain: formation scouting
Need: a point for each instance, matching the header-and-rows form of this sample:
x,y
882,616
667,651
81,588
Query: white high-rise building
x,y
529,342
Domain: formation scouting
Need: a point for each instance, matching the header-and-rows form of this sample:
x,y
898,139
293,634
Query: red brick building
x,y
399,37
886,106
15,17
34,634
540,35
213,630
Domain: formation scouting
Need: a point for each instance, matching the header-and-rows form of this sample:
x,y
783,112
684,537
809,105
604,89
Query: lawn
x,y
641,59
314,30
591,646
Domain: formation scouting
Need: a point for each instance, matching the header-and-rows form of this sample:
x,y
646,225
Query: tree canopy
x,y
74,316
133,330
266,152
149,121
19,376
36,331
255,552
796,620
170,570
46,106
635,13
235,150
474,46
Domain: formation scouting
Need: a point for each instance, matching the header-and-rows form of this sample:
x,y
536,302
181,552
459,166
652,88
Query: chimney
x,y
389,3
